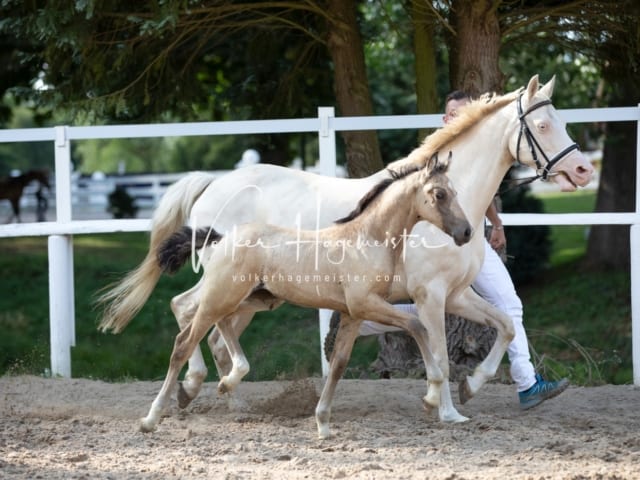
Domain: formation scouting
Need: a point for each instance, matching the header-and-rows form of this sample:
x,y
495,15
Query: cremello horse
x,y
485,140
347,267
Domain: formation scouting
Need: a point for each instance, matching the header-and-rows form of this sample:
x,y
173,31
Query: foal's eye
x,y
440,194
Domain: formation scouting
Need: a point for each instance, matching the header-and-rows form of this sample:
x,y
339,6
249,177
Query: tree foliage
x,y
139,61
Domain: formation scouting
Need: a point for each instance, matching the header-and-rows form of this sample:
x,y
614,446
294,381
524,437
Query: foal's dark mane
x,y
377,190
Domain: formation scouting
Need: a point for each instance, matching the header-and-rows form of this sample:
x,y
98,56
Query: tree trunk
x,y
475,48
352,87
474,68
468,344
609,245
425,60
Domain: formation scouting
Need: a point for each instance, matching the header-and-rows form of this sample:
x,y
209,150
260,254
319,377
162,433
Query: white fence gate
x,y
60,232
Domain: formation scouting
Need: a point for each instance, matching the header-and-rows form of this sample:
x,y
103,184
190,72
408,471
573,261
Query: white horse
x,y
347,267
485,140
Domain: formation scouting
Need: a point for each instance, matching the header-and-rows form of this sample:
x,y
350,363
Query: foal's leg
x,y
218,347
431,311
379,310
213,305
347,334
239,362
184,307
185,343
259,301
472,306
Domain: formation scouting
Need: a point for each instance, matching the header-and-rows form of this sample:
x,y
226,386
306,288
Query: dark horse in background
x,y
11,189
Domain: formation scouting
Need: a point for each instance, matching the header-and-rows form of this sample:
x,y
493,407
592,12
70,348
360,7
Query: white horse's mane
x,y
468,117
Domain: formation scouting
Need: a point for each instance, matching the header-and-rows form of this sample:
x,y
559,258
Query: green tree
x,y
619,55
136,62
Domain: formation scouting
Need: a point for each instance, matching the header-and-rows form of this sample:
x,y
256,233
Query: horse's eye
x,y
440,194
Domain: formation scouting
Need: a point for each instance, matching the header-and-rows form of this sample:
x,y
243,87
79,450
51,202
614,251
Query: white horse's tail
x,y
125,298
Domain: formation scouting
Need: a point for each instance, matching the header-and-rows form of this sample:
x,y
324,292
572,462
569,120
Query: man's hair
x,y
457,95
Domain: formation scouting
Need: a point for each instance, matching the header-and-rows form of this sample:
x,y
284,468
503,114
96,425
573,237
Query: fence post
x,y
635,271
327,164
61,284
635,302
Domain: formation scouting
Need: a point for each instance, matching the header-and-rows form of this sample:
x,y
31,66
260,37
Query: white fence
x,y
90,194
60,232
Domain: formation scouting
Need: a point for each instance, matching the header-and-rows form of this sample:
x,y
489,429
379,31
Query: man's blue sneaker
x,y
541,391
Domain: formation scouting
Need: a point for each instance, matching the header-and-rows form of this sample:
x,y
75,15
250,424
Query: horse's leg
x,y
473,307
240,364
184,307
216,302
15,206
379,310
219,350
431,312
185,343
347,334
259,301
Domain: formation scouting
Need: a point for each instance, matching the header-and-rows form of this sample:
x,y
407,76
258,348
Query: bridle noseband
x,y
542,171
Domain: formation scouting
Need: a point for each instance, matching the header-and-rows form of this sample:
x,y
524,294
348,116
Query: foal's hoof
x,y
464,391
183,397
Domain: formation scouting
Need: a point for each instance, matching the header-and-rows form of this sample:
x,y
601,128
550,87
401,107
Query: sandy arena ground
x,y
84,429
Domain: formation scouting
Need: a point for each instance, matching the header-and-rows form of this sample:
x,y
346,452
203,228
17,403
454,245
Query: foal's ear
x,y
432,163
445,165
547,88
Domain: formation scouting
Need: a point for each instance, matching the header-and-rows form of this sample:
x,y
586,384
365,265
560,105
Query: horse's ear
x,y
547,88
532,88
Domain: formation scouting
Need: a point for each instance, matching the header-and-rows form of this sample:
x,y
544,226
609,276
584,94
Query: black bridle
x,y
542,171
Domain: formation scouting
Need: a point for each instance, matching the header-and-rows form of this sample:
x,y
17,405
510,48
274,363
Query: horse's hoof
x,y
452,417
464,391
426,406
183,397
223,388
146,426
324,432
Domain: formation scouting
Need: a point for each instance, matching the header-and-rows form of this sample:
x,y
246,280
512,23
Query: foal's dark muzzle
x,y
462,234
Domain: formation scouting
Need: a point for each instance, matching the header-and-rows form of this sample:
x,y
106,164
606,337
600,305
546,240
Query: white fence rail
x,y
90,194
60,232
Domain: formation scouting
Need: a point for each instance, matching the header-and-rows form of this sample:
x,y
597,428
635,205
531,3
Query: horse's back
x,y
277,195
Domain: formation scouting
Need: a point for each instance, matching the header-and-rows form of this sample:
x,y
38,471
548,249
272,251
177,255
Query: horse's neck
x,y
407,162
479,163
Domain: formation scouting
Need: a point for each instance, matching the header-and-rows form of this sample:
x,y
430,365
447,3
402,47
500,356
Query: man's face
x,y
452,109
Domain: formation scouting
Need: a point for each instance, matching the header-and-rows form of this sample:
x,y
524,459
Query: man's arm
x,y
497,240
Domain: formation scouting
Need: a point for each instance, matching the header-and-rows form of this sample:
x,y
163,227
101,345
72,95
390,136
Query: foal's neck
x,y
393,214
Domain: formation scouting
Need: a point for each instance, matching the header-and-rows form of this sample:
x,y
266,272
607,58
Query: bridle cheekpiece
x,y
542,171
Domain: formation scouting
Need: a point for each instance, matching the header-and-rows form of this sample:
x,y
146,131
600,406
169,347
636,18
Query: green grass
x,y
579,323
569,241
279,344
